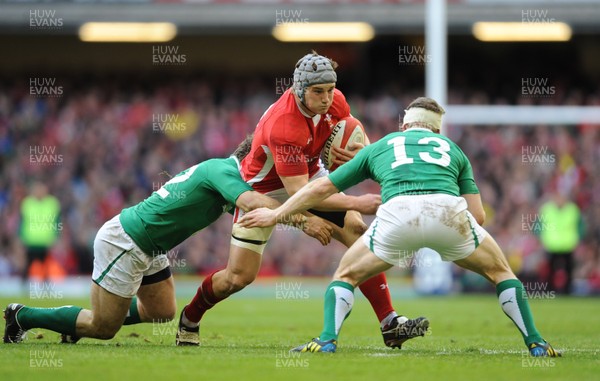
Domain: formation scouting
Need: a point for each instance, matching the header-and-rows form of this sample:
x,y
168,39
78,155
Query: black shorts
x,y
156,277
333,217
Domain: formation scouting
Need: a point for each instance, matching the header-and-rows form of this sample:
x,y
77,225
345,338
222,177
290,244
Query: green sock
x,y
339,299
58,319
513,301
133,315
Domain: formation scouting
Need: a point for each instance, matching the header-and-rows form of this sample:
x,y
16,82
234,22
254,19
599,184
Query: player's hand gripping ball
x,y
347,131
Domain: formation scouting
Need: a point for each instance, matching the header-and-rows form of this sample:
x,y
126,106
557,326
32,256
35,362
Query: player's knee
x,y
164,315
104,332
238,282
169,311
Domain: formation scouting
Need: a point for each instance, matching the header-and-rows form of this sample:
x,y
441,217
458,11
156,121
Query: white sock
x,y
188,323
388,319
508,302
344,300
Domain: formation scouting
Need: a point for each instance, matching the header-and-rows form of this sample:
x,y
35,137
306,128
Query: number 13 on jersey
x,y
402,158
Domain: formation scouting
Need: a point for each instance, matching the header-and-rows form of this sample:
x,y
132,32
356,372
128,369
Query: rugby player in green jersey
x,y
130,253
429,200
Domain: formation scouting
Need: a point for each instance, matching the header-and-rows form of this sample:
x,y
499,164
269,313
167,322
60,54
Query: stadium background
x,y
111,122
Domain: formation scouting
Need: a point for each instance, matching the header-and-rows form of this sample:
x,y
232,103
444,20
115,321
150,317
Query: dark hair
x,y
243,149
427,104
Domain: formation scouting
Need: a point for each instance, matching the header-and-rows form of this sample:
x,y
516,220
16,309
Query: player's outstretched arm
x,y
334,202
311,225
304,199
251,200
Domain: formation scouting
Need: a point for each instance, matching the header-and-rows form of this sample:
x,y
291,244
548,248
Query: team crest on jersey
x,y
329,121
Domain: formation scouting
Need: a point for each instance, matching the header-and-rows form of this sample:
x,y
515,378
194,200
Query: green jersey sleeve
x,y
466,180
225,178
352,172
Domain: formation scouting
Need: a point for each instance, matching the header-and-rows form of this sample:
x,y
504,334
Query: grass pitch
x,y
248,338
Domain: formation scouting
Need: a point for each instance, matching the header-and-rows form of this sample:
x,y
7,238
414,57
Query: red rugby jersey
x,y
289,143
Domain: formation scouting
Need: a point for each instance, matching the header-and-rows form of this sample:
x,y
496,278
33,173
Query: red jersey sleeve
x,y
340,107
287,142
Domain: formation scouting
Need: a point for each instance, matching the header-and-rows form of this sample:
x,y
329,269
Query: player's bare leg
x,y
357,265
101,322
105,318
242,268
375,288
489,261
156,301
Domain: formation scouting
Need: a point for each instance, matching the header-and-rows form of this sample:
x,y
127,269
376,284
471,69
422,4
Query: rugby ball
x,y
346,131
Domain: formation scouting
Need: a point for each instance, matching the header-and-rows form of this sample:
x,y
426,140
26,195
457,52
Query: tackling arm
x,y
304,199
312,225
252,200
336,202
307,197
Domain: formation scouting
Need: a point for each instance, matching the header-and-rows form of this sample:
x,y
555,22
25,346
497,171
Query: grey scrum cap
x,y
312,69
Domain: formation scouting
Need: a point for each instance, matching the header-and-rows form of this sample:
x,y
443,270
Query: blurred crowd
x,y
102,145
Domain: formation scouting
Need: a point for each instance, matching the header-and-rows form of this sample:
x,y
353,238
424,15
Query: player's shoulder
x,y
285,124
284,110
219,164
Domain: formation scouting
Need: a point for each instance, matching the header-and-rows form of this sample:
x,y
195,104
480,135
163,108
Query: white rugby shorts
x,y
406,224
119,264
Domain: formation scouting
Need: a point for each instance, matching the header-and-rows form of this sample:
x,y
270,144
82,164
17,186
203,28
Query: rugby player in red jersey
x,y
285,155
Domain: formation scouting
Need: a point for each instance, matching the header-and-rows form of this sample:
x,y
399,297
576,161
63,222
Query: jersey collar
x,y
237,161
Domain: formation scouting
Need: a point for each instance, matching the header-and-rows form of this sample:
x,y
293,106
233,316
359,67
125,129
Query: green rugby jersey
x,y
190,201
413,162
